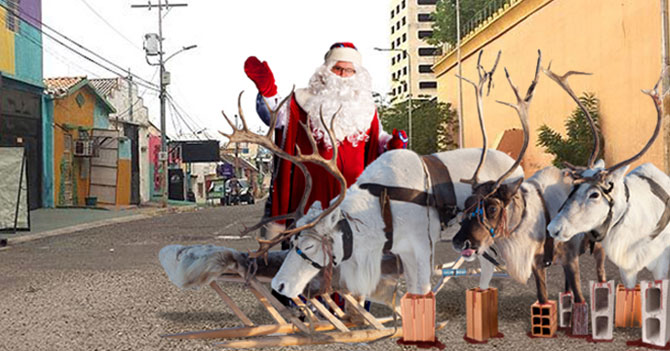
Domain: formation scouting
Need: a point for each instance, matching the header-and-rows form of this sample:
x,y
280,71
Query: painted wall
x,y
21,50
619,42
123,172
155,166
69,117
47,152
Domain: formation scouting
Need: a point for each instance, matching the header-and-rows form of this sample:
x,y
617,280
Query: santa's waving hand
x,y
341,83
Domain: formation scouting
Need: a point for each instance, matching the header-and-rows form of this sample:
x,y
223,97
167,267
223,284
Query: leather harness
x,y
442,196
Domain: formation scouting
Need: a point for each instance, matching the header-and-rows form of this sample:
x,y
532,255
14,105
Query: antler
x,y
563,82
484,76
653,94
243,134
521,108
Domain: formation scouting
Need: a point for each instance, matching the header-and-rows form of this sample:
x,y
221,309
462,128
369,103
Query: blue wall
x,y
47,152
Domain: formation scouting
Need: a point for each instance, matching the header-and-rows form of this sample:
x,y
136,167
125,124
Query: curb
x,y
84,226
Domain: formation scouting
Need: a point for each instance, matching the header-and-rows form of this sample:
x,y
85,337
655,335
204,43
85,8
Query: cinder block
x,y
418,317
580,319
543,319
628,307
602,310
481,313
655,326
565,301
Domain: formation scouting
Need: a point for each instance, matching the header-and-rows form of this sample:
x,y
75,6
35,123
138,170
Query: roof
x,y
61,87
105,85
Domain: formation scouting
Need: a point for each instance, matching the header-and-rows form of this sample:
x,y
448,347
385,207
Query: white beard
x,y
352,96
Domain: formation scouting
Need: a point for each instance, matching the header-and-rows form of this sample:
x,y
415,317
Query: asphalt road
x,y
104,289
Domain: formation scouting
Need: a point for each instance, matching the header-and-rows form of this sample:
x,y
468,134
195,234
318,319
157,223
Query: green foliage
x,y
578,145
434,124
444,27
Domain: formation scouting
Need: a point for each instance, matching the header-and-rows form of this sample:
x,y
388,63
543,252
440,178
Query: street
x,y
104,289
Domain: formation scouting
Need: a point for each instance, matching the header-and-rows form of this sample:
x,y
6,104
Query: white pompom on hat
x,y
344,52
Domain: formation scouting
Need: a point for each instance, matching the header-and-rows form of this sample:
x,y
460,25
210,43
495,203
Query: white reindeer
x,y
628,213
514,216
416,227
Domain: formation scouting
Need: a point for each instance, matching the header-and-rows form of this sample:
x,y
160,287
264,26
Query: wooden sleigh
x,y
330,324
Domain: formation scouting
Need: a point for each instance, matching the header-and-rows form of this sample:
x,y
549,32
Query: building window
x,y
397,9
425,69
11,20
427,85
425,17
392,44
392,29
397,42
80,99
404,70
392,60
425,34
392,13
397,58
426,2
404,37
397,25
403,3
404,20
404,87
428,52
404,54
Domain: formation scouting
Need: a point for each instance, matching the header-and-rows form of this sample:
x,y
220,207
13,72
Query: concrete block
x,y
565,301
602,310
580,319
628,312
543,318
418,317
481,313
655,326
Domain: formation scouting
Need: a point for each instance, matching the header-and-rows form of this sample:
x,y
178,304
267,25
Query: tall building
x,y
411,57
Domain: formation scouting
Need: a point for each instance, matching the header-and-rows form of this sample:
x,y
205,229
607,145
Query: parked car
x,y
238,191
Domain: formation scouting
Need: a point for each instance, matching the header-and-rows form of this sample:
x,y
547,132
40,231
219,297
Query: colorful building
x,y
91,158
25,119
620,43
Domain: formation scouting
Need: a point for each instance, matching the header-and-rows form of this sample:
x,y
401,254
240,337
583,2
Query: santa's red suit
x,y
359,136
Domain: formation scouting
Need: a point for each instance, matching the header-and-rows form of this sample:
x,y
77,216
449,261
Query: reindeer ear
x,y
599,164
332,218
617,175
508,190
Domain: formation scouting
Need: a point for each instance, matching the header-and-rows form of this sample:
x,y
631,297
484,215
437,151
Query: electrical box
x,y
151,44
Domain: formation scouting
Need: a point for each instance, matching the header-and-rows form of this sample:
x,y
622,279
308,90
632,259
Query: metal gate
x,y
132,132
104,167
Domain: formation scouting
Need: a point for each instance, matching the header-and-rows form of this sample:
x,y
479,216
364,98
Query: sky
x,y
292,36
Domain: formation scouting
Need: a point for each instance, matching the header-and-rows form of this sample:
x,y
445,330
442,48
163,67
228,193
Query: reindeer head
x,y
311,251
599,195
485,215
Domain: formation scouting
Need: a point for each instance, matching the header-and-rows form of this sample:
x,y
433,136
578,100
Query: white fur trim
x,y
344,54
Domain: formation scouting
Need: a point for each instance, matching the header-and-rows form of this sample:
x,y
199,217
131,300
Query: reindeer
x,y
359,226
514,216
629,214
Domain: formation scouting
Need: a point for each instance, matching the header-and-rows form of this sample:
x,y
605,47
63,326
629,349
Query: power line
x,y
110,25
50,36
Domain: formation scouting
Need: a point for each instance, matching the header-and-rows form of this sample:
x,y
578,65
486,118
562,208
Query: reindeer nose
x,y
281,287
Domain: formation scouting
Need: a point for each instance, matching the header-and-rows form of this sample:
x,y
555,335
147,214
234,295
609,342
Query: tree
x,y
444,27
578,145
434,124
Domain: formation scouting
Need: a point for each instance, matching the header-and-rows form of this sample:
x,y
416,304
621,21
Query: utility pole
x,y
164,81
237,157
665,86
130,96
460,74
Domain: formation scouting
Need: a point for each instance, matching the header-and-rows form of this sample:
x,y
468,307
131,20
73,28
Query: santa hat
x,y
344,52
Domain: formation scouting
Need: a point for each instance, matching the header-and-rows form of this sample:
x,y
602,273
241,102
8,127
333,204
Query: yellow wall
x,y
123,182
6,46
68,112
618,41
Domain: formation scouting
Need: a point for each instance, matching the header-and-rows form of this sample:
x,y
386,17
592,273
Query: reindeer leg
x,y
599,256
660,269
540,281
629,278
572,277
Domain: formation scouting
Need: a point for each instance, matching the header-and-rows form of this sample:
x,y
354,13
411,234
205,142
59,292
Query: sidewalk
x,y
46,222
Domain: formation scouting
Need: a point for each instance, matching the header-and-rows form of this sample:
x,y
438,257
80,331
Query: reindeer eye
x,y
308,247
594,195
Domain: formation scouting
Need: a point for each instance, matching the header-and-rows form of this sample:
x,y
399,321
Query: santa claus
x,y
340,83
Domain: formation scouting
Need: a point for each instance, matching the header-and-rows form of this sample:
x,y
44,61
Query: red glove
x,y
399,140
261,75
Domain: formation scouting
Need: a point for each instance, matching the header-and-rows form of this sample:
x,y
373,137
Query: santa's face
x,y
341,89
343,69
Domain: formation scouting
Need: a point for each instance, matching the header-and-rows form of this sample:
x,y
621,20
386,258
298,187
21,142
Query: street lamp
x,y
409,95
